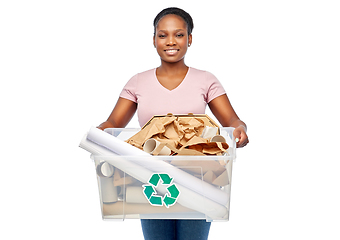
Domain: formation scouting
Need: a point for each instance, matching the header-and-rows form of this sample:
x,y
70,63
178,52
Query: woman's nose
x,y
171,41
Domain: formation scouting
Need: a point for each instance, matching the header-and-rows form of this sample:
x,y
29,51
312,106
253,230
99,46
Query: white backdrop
x,y
63,64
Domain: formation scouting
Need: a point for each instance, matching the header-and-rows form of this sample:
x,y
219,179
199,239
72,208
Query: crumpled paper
x,y
181,135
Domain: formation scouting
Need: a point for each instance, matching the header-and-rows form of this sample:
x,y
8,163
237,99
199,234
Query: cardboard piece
x,y
211,148
149,131
209,176
180,133
222,180
209,132
118,179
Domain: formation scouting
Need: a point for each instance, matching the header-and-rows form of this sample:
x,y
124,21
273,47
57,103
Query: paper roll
x,y
105,170
108,191
217,138
112,143
152,144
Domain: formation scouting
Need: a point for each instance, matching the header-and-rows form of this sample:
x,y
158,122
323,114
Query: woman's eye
x,y
180,35
161,36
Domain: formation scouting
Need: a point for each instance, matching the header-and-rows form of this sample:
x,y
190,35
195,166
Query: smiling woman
x,y
171,41
172,37
173,87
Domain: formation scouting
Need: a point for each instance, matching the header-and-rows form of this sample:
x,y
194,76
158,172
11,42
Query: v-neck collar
x,y
181,83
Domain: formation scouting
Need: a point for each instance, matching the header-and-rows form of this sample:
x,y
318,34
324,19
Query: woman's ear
x,y
154,41
190,40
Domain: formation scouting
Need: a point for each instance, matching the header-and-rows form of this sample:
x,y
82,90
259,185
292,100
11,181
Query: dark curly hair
x,y
176,11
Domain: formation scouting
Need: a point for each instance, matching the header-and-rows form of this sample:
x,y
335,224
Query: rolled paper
x,y
152,144
152,163
105,170
188,198
134,194
217,138
114,144
108,191
93,148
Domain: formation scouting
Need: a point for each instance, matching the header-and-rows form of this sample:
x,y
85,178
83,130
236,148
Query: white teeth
x,y
171,50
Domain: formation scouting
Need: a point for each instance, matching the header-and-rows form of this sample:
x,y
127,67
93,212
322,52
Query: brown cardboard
x,y
205,118
222,179
211,148
119,179
181,133
209,177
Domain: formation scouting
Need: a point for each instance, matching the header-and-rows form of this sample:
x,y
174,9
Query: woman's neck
x,y
172,68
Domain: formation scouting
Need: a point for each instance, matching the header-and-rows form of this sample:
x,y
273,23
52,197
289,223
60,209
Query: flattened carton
x,y
166,187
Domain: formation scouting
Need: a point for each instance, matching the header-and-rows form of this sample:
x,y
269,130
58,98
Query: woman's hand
x,y
241,137
226,115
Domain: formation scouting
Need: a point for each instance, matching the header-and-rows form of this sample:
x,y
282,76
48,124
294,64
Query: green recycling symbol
x,y
149,190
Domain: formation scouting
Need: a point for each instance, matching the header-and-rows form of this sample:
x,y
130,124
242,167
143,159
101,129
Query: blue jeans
x,y
166,229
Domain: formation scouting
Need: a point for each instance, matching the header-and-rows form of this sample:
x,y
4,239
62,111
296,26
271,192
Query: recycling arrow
x,y
165,178
173,190
154,179
156,200
149,190
169,201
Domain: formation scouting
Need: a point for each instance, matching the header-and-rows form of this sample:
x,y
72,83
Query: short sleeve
x,y
214,87
129,90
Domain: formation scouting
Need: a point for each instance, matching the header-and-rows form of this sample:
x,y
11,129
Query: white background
x,y
63,64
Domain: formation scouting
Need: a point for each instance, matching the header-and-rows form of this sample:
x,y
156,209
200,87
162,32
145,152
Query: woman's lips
x,y
171,51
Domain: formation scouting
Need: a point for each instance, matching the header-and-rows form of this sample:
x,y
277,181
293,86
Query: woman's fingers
x,y
241,137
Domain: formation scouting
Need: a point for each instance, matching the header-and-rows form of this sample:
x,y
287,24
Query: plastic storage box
x,y
165,187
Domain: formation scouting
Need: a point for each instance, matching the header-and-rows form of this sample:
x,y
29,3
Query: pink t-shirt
x,y
196,90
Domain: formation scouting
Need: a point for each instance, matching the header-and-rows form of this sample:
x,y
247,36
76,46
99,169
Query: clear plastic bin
x,y
165,187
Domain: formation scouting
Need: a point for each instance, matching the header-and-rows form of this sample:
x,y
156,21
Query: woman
x,y
175,88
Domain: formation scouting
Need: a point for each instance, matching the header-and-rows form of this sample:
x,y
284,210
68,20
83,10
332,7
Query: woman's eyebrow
x,y
177,30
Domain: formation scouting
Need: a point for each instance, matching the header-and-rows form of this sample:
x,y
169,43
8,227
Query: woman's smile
x,y
171,51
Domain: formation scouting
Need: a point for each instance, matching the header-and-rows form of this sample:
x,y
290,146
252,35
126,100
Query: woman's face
x,y
171,38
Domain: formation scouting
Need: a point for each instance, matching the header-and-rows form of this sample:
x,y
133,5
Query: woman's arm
x,y
226,115
120,115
